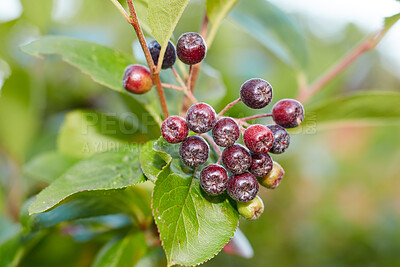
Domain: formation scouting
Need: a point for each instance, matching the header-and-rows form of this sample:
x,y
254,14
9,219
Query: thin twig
x,y
213,144
121,9
178,77
255,117
305,93
189,80
229,106
156,77
171,86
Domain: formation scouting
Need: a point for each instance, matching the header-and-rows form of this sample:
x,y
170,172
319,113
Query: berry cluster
x,y
191,49
248,165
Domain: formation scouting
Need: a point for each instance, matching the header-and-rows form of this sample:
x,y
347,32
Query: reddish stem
x,y
255,117
229,106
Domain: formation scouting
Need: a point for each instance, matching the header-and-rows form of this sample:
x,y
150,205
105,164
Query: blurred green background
x,y
339,204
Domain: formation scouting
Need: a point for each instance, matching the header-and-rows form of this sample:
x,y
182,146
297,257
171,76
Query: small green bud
x,y
274,178
251,210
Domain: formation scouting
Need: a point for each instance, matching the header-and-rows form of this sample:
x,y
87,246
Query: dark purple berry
x,y
243,187
191,48
174,129
169,56
201,118
256,93
274,178
258,138
236,159
281,139
194,151
288,113
214,179
226,132
261,164
137,79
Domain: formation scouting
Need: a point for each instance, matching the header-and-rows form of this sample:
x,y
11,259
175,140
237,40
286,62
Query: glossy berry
x,y
252,209
214,179
137,79
288,113
258,138
281,139
169,56
226,132
191,48
256,93
201,118
274,178
174,129
261,164
243,187
194,151
236,159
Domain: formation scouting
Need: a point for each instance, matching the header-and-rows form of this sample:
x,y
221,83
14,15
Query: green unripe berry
x,y
251,210
274,178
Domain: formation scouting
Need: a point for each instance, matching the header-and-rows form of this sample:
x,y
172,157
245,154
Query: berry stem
x,y
196,68
307,92
189,79
156,77
188,93
178,77
229,106
213,144
171,86
121,10
255,117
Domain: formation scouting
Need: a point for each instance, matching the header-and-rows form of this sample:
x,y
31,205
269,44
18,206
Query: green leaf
x,y
85,133
153,162
163,17
274,29
48,166
126,251
217,10
362,106
104,65
105,171
390,21
193,227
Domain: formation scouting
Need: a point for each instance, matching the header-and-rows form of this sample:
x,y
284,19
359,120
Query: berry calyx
x,y
288,113
191,48
236,159
258,138
201,118
261,164
137,79
256,93
273,179
243,187
214,179
169,56
194,151
226,132
174,129
252,209
281,139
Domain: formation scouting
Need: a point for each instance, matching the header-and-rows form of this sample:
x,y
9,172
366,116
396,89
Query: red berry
x,y
288,113
261,164
137,79
258,138
256,93
174,129
169,56
243,187
236,159
191,48
194,151
201,118
214,179
226,132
